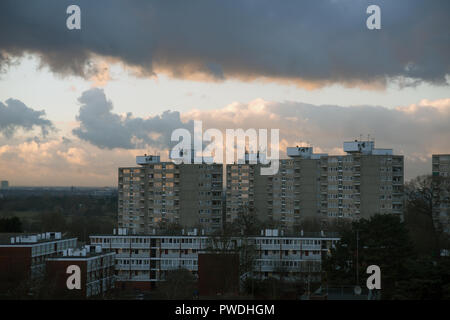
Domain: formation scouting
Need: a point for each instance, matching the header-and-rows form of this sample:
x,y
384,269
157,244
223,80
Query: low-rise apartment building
x,y
143,260
23,256
96,270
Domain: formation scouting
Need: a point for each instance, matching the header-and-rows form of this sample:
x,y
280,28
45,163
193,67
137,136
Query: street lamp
x,y
357,289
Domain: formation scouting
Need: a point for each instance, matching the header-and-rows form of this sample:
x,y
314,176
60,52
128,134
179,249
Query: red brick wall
x,y
56,272
218,273
15,263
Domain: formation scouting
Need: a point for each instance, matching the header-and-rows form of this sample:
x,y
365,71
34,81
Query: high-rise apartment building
x,y
158,192
441,191
361,183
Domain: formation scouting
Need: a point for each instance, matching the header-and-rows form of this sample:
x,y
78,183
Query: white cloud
x,y
416,131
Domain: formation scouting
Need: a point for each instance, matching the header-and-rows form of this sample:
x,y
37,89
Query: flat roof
x,y
5,239
61,257
305,235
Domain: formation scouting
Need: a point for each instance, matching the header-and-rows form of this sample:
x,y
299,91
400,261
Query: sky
x,y
77,104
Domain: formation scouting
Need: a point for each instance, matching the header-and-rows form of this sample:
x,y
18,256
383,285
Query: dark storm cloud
x,y
312,42
105,129
15,115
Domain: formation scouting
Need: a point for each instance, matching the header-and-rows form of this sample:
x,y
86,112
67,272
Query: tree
x,y
246,223
13,224
234,238
81,226
419,217
179,284
426,279
309,224
382,240
170,228
52,221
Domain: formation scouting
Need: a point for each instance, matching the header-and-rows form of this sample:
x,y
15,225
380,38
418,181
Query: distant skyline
x,y
76,105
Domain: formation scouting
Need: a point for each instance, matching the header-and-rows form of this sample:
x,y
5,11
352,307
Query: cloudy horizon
x,y
90,149
76,105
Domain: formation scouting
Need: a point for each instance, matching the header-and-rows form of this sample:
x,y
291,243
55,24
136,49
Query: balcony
x,y
132,267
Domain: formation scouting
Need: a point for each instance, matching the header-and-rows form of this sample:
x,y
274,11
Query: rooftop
x,y
198,233
365,147
25,239
87,251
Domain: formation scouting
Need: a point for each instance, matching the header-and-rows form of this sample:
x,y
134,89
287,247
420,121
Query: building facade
x,y
441,191
24,257
164,192
363,182
97,268
144,260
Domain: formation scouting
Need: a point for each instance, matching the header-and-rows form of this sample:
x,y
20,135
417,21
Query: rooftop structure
x,y
147,159
303,153
365,147
24,239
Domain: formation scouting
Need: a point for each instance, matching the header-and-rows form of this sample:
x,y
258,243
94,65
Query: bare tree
x,y
419,214
179,284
